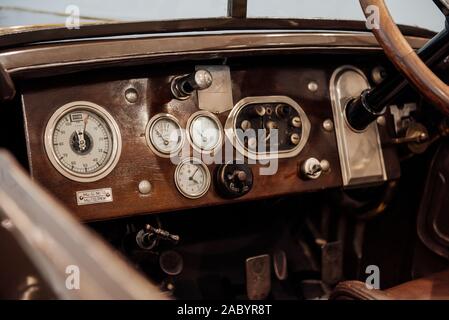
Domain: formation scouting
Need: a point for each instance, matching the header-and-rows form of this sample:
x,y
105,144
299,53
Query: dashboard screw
x,y
131,95
328,125
312,86
381,121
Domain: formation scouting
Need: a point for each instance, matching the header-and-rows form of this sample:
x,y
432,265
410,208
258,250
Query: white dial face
x,y
82,142
192,178
165,135
205,132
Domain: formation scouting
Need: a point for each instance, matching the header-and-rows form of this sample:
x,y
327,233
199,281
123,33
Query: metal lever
x,y
416,133
162,234
149,237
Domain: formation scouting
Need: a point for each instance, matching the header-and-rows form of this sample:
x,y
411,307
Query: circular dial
x,y
192,178
164,135
205,131
82,141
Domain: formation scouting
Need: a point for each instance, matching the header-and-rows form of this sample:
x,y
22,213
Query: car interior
x,y
228,158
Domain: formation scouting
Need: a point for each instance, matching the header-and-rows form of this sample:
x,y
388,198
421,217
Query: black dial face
x,y
267,125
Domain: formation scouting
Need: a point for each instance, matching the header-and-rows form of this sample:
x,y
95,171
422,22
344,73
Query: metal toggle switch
x,y
182,87
313,168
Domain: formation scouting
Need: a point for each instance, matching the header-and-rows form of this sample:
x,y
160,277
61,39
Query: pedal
x,y
332,262
258,277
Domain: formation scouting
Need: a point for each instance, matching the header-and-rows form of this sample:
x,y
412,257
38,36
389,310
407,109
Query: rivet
x,y
325,165
312,86
131,95
328,125
7,224
381,121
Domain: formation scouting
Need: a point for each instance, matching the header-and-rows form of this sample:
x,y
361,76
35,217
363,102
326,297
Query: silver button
x,y
144,187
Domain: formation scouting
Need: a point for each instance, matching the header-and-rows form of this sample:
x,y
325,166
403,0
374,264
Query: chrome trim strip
x,y
94,52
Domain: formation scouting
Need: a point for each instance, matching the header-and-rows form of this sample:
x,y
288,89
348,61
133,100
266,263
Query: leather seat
x,y
434,287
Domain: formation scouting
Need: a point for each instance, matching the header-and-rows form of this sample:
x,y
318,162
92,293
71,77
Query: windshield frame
x,y
14,37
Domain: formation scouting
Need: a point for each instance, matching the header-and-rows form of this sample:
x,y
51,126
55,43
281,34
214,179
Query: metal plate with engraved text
x,y
86,197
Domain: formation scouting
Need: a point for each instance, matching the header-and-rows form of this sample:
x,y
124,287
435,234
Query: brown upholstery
x,y
434,287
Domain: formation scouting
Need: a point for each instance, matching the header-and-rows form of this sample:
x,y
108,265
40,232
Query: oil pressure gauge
x,y
164,135
83,141
192,178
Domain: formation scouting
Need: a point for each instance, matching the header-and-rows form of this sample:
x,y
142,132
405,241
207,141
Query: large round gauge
x,y
164,135
192,178
83,141
205,131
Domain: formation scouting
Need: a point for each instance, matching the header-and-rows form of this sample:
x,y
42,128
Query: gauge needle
x,y
166,142
81,139
202,135
191,177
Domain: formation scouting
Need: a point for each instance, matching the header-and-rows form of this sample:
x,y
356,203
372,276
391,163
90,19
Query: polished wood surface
x,y
138,162
405,58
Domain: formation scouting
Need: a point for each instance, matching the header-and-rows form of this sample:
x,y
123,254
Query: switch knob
x,y
233,180
312,168
182,87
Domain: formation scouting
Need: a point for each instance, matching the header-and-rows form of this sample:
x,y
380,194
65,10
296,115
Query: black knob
x,y
233,180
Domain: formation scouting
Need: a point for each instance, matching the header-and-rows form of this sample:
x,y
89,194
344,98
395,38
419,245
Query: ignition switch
x,y
233,180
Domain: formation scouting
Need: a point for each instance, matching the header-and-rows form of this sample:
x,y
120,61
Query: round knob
x,y
313,168
233,180
182,87
202,79
296,122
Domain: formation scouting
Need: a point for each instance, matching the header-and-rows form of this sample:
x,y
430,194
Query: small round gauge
x,y
205,131
192,178
164,135
83,141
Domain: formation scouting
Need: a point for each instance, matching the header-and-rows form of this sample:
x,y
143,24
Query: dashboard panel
x,y
144,123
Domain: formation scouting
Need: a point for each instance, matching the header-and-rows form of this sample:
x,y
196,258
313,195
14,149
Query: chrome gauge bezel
x,y
113,128
230,128
149,139
200,163
214,118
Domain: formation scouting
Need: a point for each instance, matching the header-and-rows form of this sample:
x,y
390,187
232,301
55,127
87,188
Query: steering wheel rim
x,y
405,59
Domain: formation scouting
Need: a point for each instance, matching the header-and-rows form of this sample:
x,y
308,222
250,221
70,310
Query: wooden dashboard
x,y
287,76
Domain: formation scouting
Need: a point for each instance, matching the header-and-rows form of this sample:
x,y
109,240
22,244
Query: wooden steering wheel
x,y
405,58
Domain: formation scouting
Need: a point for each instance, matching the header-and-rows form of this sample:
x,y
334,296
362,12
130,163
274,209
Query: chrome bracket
x,y
218,97
361,156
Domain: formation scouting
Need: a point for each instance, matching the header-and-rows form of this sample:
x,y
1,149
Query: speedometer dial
x,y
82,141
